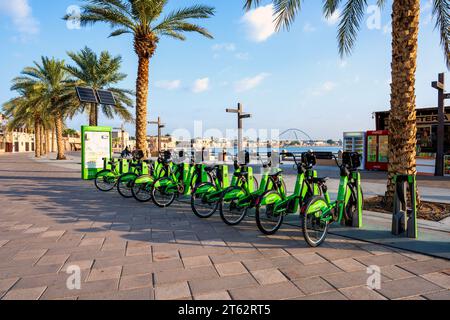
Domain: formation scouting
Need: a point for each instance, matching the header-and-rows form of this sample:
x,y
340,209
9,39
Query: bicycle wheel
x,y
200,205
142,192
315,230
124,184
105,180
267,220
230,212
162,196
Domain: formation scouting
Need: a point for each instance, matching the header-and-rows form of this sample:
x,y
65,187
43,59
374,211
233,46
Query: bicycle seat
x,y
320,180
210,169
241,174
276,174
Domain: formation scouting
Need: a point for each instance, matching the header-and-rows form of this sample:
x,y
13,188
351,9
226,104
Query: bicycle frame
x,y
333,211
182,178
289,204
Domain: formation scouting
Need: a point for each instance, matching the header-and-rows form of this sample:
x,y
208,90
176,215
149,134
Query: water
x,y
215,151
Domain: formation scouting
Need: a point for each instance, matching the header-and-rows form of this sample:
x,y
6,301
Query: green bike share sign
x,y
96,144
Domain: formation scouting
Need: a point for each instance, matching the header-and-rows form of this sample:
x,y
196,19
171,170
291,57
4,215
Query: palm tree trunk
x,y
402,121
53,139
59,137
47,141
141,103
92,115
37,138
42,139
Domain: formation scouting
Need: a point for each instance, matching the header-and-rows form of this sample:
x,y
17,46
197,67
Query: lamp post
x,y
160,127
442,96
241,116
122,132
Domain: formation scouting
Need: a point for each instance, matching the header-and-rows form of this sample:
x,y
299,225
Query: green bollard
x,y
404,219
224,176
357,216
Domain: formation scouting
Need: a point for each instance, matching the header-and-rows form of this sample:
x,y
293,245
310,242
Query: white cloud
x,y
250,83
308,27
334,18
224,47
21,14
326,87
200,85
242,56
168,84
260,23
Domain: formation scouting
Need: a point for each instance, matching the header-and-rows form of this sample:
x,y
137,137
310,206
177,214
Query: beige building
x,y
167,143
20,140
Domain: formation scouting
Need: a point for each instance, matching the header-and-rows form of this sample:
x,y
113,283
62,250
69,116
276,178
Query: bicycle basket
x,y
352,160
309,159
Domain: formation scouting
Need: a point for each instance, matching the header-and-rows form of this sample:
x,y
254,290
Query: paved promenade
x,y
50,221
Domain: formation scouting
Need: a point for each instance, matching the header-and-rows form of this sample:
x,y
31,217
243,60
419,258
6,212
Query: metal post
x,y
241,115
123,137
160,126
159,134
240,142
440,87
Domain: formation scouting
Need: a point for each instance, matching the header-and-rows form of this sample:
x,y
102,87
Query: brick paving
x,y
50,221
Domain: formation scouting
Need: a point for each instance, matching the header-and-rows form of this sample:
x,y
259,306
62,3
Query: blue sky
x,y
286,80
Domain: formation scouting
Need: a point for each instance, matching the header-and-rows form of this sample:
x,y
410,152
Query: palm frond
x,y
351,18
285,12
441,11
330,7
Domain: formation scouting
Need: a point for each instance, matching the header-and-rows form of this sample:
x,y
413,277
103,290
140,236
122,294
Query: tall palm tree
x,y
54,92
101,72
142,19
405,30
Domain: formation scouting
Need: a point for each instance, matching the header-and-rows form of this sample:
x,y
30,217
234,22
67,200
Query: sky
x,y
286,80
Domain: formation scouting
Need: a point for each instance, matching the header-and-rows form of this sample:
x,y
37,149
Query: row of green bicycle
x,y
237,195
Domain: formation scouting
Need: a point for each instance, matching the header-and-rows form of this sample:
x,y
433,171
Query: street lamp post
x,y
160,127
241,116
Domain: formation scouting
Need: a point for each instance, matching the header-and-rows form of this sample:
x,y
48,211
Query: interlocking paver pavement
x,y
51,222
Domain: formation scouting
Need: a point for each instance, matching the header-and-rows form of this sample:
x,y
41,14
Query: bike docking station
x,y
404,219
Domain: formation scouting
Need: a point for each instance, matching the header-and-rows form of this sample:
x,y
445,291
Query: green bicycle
x,y
181,179
136,168
106,179
237,200
319,212
206,197
141,187
274,205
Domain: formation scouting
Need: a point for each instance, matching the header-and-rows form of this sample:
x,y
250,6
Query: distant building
x,y
167,143
121,139
19,140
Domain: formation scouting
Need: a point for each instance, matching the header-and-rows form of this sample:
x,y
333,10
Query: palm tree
x,y
405,30
54,93
141,18
26,111
100,72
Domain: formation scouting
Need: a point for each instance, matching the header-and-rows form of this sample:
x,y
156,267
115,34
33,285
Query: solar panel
x,y
106,97
86,95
